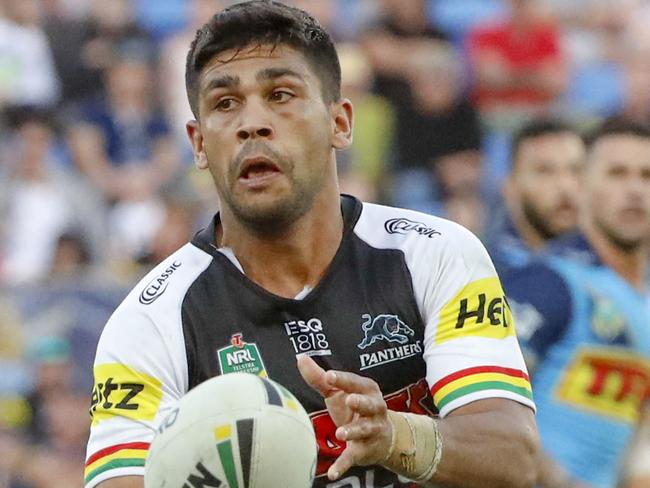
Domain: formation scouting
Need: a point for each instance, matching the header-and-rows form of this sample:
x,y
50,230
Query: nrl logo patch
x,y
241,357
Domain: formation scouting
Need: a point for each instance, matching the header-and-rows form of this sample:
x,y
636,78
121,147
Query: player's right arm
x,y
140,372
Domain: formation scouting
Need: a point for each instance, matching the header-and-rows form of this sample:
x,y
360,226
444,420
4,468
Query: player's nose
x,y
255,123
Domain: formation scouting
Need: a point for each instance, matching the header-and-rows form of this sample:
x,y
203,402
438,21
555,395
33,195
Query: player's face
x,y
618,189
266,134
545,181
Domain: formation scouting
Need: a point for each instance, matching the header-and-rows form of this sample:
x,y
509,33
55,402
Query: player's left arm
x,y
487,443
486,435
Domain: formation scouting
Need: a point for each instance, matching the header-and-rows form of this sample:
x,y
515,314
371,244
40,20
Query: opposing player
x,y
394,316
540,192
584,319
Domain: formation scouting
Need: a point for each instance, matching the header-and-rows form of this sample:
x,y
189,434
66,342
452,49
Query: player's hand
x,y
358,409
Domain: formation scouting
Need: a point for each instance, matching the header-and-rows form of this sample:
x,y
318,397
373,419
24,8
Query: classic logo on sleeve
x,y
480,309
122,391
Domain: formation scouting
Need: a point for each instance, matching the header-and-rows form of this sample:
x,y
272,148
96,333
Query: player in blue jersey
x,y
546,154
583,316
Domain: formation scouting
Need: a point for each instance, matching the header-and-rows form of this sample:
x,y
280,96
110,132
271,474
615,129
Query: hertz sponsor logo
x,y
156,287
372,359
480,309
122,391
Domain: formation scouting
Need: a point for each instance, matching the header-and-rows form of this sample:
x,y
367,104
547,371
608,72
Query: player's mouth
x,y
258,171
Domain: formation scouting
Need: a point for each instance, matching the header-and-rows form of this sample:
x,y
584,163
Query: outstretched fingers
x,y
366,405
344,462
314,375
352,383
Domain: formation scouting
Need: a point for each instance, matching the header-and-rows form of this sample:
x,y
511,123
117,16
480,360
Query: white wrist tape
x,y
416,446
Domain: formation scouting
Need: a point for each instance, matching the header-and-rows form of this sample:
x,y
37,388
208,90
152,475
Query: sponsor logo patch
x,y
402,226
124,392
386,328
372,359
156,287
480,309
308,337
608,381
241,356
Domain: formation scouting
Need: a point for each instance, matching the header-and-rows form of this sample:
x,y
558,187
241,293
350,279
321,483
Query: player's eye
x,y
281,96
226,104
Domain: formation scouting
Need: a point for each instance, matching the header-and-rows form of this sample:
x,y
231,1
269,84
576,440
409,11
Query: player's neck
x,y
285,264
630,265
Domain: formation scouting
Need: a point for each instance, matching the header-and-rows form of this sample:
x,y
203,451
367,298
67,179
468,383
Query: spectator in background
x,y
27,73
401,32
124,146
57,459
72,257
172,68
582,317
39,200
518,65
433,120
363,169
84,48
636,66
50,358
441,134
540,193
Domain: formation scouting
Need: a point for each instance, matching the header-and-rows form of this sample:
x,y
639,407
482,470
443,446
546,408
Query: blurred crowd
x,y
97,182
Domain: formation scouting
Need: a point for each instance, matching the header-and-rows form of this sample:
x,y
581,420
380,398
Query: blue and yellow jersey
x,y
586,335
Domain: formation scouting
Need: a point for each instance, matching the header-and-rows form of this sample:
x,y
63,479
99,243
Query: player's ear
x,y
193,128
342,120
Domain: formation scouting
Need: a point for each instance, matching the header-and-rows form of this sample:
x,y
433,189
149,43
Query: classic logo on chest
x,y
386,328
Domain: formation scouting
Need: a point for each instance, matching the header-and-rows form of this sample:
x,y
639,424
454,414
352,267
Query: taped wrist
x,y
416,446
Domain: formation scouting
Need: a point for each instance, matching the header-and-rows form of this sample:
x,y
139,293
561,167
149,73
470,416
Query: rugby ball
x,y
238,430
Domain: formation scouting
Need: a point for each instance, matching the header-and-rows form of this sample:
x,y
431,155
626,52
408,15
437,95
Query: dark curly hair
x,y
264,22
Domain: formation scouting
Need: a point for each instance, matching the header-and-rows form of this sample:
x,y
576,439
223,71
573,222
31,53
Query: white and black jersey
x,y
410,300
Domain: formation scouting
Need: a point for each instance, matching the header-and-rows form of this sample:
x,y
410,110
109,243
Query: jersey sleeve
x,y
541,304
140,369
471,348
135,385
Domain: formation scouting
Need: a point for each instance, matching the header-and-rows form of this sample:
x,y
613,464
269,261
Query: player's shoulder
x,y
393,227
158,296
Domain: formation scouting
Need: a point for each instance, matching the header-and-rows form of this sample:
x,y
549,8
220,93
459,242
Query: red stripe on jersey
x,y
119,447
476,370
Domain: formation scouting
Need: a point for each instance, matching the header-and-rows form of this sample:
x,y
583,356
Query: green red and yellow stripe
x,y
131,454
471,380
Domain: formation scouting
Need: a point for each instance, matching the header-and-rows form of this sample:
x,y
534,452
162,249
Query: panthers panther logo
x,y
386,327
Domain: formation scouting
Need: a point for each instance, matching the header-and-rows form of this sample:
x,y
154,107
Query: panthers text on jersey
x,y
411,301
586,331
